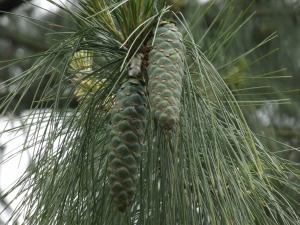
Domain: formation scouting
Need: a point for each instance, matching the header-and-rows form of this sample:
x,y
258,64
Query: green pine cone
x,y
165,71
128,118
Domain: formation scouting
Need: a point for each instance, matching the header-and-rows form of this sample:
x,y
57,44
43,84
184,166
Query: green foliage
x,y
211,170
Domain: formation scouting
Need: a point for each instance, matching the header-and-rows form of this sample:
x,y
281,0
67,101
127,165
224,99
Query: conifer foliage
x,y
110,161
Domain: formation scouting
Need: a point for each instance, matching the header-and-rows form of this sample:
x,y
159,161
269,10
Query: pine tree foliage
x,y
211,169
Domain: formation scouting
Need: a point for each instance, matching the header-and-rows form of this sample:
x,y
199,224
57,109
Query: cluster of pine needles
x,y
156,137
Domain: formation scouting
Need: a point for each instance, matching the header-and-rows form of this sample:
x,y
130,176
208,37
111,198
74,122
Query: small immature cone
x,y
128,119
165,71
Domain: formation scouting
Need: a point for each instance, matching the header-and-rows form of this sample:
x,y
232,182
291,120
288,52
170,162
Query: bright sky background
x,y
11,170
47,5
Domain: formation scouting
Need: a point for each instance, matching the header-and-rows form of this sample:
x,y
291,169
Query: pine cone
x,y
128,129
165,71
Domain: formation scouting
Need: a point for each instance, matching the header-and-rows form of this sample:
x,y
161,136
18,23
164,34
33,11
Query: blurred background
x,y
265,79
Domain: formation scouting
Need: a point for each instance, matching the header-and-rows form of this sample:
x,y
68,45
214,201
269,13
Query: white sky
x,y
44,4
13,168
47,5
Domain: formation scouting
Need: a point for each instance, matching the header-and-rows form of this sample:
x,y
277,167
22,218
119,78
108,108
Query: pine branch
x,y
211,169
